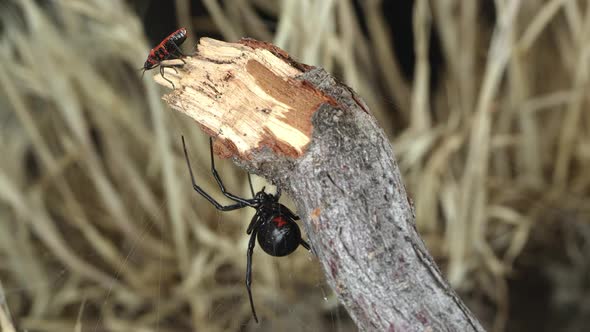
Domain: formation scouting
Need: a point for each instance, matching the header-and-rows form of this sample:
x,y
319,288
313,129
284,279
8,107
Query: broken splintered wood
x,y
312,136
247,96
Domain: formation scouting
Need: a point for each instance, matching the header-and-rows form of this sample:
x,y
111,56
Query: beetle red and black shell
x,y
168,49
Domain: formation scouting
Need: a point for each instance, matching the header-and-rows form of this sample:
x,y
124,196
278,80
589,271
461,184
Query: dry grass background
x,y
100,229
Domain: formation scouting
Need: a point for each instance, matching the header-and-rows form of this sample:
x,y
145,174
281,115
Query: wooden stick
x,y
315,138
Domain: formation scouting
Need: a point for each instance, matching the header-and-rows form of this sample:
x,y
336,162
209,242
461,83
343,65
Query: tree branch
x,y
313,136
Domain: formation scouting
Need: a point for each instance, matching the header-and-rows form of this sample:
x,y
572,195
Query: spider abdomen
x,y
279,236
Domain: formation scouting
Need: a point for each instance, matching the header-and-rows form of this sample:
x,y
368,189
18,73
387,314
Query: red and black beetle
x,y
168,49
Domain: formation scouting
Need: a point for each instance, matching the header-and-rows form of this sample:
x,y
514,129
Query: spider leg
x,y
251,187
305,244
200,190
164,77
254,223
249,253
220,183
278,193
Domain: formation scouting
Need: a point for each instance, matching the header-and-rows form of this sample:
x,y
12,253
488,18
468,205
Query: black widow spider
x,y
273,223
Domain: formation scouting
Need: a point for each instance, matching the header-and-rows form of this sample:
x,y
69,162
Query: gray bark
x,y
315,138
360,222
